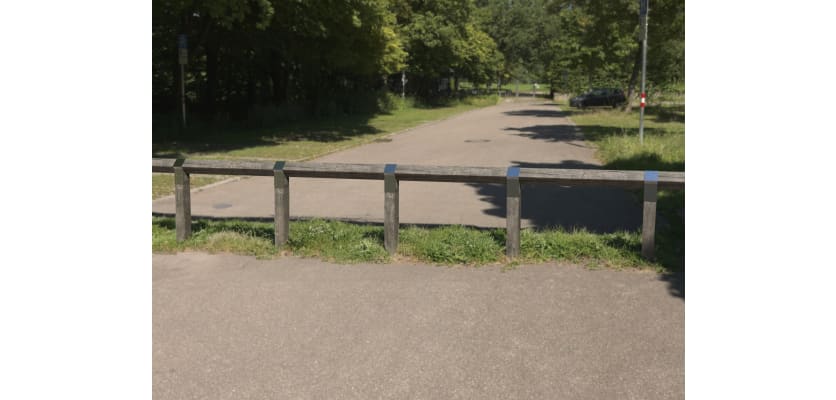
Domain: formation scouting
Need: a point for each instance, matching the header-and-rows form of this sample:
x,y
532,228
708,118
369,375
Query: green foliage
x,y
443,41
318,58
578,44
319,55
521,29
334,57
595,45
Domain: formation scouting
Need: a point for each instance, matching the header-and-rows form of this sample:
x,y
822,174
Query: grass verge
x,y
449,245
309,138
302,140
615,133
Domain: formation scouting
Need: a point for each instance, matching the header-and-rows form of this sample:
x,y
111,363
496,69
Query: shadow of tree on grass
x,y
221,140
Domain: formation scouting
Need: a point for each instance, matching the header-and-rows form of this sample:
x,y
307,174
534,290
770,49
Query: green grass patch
x,y
616,135
302,140
238,237
343,242
163,184
614,250
337,241
452,245
309,138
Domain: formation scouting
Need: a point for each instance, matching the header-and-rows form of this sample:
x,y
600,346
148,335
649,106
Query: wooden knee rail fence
x,y
392,174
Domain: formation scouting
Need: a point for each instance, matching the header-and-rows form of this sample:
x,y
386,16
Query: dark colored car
x,y
599,97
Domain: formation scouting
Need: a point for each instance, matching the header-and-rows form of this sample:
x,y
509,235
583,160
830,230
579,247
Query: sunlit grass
x,y
616,135
304,140
448,245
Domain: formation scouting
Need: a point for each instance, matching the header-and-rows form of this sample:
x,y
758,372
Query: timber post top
x,y
426,173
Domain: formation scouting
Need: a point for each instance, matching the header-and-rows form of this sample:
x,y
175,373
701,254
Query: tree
x,y
444,41
323,55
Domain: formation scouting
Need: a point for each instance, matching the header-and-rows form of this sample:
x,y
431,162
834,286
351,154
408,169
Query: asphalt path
x,y
527,132
233,327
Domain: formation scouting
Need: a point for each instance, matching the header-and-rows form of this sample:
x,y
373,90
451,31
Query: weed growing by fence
x,y
618,250
337,241
452,245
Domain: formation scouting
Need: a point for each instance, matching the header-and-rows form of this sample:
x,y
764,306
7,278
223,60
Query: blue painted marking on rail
x,y
390,168
651,176
513,172
278,166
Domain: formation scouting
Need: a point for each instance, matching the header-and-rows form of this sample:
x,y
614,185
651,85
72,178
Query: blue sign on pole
x,y
643,8
183,52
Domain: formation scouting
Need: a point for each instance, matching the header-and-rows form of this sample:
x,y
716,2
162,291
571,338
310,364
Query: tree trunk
x,y
211,75
280,77
251,94
631,87
175,98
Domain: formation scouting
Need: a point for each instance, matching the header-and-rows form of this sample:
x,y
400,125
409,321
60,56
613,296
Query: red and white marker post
x,y
644,97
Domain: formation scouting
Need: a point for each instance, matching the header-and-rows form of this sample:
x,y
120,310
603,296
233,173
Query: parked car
x,y
599,97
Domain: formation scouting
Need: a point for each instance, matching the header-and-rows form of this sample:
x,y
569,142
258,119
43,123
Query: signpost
x,y
183,59
643,33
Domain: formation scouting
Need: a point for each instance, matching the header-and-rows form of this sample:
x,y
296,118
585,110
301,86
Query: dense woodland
x,y
328,57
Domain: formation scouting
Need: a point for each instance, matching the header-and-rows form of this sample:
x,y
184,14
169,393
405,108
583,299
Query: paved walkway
x,y
233,327
530,133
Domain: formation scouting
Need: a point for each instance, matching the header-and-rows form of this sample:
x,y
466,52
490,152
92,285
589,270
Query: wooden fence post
x,y
182,198
651,181
512,217
391,217
281,185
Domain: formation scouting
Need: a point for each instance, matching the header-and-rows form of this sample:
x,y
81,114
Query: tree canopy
x,y
332,56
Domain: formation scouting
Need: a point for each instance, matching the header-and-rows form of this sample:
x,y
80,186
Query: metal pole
x,y
182,59
403,84
643,22
183,92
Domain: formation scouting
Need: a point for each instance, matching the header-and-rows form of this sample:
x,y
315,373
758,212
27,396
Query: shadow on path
x,y
598,209
676,282
538,113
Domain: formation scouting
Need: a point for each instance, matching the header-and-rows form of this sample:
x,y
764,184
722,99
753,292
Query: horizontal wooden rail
x,y
511,177
425,173
596,177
